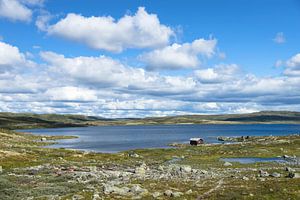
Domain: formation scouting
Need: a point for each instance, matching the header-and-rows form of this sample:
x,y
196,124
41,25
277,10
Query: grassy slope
x,y
28,120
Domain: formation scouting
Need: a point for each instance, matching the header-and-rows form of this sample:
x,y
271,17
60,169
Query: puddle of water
x,y
250,160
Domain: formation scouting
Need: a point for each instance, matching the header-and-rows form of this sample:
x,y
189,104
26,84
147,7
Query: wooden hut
x,y
196,141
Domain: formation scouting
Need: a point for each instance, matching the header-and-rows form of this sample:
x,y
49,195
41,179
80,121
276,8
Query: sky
x,y
137,58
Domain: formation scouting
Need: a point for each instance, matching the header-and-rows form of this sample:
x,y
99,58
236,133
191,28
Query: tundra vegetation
x,y
31,171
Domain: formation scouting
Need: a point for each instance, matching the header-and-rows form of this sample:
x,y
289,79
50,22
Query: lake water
x,y
249,160
119,138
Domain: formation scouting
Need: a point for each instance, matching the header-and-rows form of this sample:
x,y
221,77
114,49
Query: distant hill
x,y
29,120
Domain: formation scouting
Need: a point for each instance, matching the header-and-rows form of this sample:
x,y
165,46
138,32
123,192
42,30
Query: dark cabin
x,y
196,141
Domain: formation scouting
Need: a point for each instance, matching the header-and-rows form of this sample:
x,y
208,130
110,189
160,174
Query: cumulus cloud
x,y
11,57
94,71
293,66
142,30
42,21
71,93
218,74
279,38
15,10
101,85
179,56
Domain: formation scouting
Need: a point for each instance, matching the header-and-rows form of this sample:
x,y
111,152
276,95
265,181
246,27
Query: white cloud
x,y
10,56
218,74
103,86
142,30
15,10
105,72
279,38
70,93
293,66
42,21
179,56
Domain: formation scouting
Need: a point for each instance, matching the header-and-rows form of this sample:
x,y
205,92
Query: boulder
x,y
227,164
77,197
156,194
43,139
294,175
137,189
189,191
168,193
177,194
275,174
245,178
186,169
263,173
288,169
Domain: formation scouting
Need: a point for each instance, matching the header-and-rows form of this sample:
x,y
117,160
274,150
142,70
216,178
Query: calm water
x,y
119,138
249,160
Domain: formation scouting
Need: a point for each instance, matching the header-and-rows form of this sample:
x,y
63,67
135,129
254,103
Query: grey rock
x,y
1,169
288,169
77,197
107,189
177,194
186,168
168,193
133,155
156,194
227,164
263,173
137,189
294,175
245,178
275,174
43,139
122,191
189,191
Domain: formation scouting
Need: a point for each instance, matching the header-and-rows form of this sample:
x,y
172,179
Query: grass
x,y
20,151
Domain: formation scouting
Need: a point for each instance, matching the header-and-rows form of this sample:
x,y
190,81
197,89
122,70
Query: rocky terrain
x,y
30,171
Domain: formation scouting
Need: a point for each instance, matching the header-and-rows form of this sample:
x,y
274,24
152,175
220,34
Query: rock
x,y
288,169
263,173
93,168
161,168
168,193
177,194
186,169
275,174
245,178
133,155
156,194
96,196
43,139
137,189
122,191
107,189
1,170
77,197
189,191
140,171
227,164
294,175
262,179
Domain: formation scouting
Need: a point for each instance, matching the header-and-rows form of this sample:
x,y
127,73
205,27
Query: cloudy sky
x,y
135,58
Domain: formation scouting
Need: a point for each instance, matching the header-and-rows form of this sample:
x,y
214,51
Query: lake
x,y
112,139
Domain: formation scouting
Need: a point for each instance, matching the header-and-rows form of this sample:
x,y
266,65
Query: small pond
x,y
249,160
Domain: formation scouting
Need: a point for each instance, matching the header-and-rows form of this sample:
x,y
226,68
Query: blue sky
x,y
149,58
